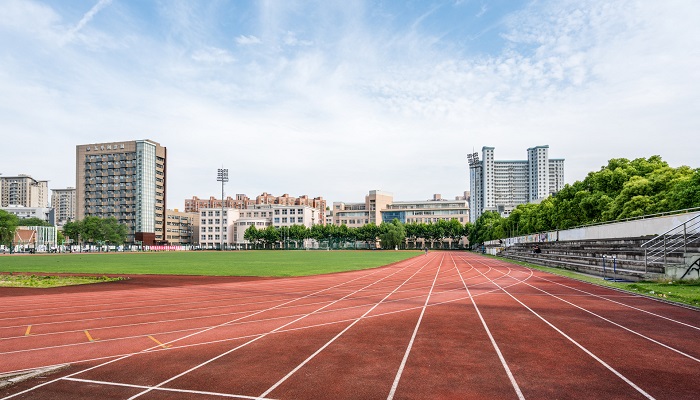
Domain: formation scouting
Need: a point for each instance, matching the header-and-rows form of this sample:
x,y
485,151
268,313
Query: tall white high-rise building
x,y
503,185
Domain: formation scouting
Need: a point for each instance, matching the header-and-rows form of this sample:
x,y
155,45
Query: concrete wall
x,y
614,230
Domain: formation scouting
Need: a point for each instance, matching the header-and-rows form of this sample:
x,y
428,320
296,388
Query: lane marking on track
x,y
577,344
155,348
159,343
29,328
235,396
90,337
513,382
269,333
201,331
631,295
616,324
395,385
298,367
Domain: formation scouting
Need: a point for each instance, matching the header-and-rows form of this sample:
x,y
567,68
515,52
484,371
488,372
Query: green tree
x,y
33,221
72,231
112,232
253,235
392,234
8,225
298,233
454,230
269,236
368,233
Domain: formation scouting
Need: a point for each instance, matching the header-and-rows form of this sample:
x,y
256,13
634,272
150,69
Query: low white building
x,y
43,213
229,228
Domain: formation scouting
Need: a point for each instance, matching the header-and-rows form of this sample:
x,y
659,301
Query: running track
x,y
445,325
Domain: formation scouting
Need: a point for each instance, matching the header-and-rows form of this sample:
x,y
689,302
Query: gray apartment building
x,y
125,180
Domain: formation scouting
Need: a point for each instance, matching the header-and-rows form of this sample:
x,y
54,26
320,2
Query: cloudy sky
x,y
336,98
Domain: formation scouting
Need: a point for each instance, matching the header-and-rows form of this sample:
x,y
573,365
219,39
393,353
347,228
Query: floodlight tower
x,y
222,176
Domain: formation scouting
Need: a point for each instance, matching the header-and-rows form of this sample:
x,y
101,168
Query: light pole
x,y
222,176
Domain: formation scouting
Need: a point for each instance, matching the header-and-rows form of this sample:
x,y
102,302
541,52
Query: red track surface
x,y
446,325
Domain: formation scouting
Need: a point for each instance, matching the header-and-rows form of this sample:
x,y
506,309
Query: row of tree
x,y
619,190
389,235
96,230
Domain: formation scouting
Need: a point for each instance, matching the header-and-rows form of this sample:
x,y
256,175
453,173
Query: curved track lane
x,y
445,325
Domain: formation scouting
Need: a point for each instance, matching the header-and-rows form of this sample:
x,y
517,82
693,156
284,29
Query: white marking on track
x,y
264,335
235,396
577,344
395,385
292,372
513,382
187,336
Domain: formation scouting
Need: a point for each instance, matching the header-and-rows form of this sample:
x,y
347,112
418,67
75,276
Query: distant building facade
x,y
23,190
181,228
503,185
428,211
42,213
229,225
125,180
242,202
355,215
63,203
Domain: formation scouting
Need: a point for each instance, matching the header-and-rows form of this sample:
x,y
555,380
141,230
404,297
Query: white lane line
x,y
262,336
202,327
395,385
185,337
513,382
622,304
298,367
616,324
235,396
580,346
156,349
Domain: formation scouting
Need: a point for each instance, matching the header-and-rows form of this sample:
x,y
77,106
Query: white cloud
x,y
248,40
213,55
86,19
340,106
290,39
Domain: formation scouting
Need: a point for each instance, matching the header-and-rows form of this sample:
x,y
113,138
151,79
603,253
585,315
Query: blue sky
x,y
335,98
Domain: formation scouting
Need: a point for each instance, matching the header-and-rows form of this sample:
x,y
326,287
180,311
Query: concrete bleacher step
x,y
587,257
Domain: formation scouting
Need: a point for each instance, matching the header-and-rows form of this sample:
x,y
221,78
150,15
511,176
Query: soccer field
x,y
228,263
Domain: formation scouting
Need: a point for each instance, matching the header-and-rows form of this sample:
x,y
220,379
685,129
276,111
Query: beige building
x,y
23,190
358,214
242,202
63,203
428,211
125,180
181,228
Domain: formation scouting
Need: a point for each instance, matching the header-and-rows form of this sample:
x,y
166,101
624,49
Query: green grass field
x,y
228,263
